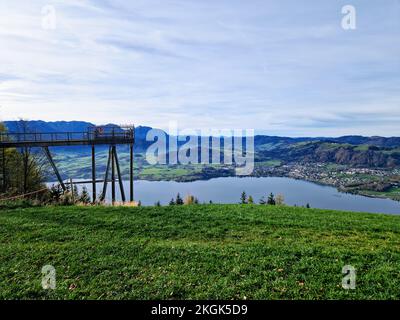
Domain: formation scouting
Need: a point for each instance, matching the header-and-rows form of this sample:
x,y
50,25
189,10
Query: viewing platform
x,y
95,135
109,135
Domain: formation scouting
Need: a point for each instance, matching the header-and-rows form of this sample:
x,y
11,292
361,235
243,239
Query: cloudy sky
x,y
284,67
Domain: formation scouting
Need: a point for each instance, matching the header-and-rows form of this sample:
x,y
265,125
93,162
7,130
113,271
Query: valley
x,y
368,166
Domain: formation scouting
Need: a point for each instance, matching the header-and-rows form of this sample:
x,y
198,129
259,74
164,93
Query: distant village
x,y
366,181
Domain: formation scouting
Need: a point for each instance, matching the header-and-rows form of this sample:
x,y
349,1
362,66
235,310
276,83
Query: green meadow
x,y
198,252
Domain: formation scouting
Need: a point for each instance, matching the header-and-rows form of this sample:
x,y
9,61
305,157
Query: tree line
x,y
23,168
23,176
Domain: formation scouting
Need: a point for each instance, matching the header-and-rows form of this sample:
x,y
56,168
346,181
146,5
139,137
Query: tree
x,y
262,201
189,200
75,192
172,202
56,193
67,199
250,200
158,204
271,199
179,200
243,198
280,200
139,203
24,167
308,206
32,162
84,196
3,160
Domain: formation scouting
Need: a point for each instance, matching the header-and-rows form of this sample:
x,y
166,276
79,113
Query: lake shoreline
x,y
227,190
194,179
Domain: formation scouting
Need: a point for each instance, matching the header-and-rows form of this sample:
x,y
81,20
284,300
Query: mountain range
x,y
356,151
141,131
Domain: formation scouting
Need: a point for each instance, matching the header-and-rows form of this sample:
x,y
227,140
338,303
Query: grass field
x,y
198,252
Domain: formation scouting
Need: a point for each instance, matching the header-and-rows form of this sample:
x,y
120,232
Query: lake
x,y
228,190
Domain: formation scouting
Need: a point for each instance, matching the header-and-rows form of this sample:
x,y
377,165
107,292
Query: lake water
x,y
228,190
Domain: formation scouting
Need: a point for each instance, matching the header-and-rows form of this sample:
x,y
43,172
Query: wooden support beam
x,y
50,158
4,181
103,195
131,173
113,194
121,183
72,190
94,191
87,181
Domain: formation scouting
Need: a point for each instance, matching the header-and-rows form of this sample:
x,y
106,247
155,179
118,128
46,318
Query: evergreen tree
x,y
250,200
84,197
179,200
308,206
55,193
75,191
172,202
158,204
262,201
243,198
271,199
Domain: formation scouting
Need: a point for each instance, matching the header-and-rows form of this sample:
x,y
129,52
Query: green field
x,y
393,193
269,163
198,252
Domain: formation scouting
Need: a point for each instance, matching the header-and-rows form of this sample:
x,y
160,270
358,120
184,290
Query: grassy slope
x,y
205,251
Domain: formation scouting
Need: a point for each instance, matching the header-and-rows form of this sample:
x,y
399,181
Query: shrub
x,y
67,199
189,200
280,200
84,197
17,204
250,200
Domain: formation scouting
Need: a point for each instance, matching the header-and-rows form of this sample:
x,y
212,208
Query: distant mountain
x,y
51,127
372,141
390,142
363,156
355,151
141,132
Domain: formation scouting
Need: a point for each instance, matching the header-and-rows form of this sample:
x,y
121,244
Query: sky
x,y
280,67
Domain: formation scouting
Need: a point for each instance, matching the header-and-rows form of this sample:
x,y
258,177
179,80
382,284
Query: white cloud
x,y
277,66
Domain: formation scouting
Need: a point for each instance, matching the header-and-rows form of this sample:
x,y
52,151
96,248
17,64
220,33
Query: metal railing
x,y
94,134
